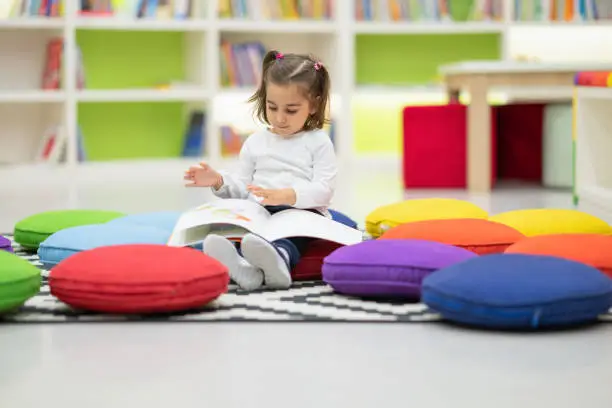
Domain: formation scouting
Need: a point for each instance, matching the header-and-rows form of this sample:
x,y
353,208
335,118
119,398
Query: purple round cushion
x,y
5,244
388,268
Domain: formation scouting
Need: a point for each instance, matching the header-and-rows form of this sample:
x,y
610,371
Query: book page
x,y
300,223
227,217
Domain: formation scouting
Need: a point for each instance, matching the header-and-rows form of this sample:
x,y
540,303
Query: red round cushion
x,y
592,249
477,235
311,261
138,279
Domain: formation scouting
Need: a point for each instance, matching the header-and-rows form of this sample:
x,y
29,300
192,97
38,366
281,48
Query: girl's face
x,y
286,108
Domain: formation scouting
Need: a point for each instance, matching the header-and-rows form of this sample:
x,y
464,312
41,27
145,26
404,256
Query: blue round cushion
x,y
70,241
165,220
517,291
343,219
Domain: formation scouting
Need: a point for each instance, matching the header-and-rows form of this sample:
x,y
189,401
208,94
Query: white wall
x,y
561,43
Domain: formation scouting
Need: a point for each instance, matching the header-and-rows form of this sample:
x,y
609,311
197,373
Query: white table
x,y
477,77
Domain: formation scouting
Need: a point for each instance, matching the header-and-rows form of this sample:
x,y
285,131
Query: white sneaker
x,y
243,273
263,255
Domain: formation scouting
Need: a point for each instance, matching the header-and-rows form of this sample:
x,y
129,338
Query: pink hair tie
x,y
279,55
317,66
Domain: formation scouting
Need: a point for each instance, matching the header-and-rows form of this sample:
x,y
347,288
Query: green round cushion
x,y
33,230
19,281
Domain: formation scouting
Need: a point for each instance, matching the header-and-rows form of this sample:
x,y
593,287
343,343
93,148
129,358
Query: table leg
x,y
478,137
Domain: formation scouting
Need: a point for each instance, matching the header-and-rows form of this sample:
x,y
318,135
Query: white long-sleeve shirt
x,y
305,162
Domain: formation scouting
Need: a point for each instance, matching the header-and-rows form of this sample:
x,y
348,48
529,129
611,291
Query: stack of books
x,y
149,9
31,8
241,63
562,10
277,9
428,10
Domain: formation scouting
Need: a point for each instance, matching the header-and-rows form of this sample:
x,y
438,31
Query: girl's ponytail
x,y
268,60
259,97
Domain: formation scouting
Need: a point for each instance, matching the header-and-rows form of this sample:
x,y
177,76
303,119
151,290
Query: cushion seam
x,y
440,293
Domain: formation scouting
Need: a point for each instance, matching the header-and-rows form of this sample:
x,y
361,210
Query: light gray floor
x,y
283,364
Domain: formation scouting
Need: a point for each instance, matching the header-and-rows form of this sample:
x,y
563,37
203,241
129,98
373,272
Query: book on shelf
x,y
233,218
53,68
194,142
146,9
562,10
276,9
232,140
53,146
427,10
31,8
241,63
594,78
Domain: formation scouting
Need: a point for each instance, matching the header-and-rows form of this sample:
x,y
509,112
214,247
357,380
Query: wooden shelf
x,y
111,23
253,26
34,96
145,95
366,27
32,23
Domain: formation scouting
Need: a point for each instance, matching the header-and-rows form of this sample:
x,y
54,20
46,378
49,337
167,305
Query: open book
x,y
233,218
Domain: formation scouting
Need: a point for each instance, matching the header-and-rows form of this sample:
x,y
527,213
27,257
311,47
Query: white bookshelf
x,y
25,110
593,147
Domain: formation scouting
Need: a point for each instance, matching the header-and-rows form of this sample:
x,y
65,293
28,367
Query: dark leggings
x,y
295,246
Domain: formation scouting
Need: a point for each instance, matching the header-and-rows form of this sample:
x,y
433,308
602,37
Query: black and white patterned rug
x,y
305,301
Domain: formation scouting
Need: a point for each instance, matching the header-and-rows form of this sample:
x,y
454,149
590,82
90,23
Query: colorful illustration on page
x,y
223,212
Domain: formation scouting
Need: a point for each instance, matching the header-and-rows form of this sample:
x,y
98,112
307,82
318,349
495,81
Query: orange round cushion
x,y
477,235
138,278
592,249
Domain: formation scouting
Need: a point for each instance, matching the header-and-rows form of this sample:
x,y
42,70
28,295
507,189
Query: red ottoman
x,y
435,146
138,279
519,141
311,262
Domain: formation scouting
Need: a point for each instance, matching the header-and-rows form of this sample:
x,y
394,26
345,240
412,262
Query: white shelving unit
x,y
25,110
593,147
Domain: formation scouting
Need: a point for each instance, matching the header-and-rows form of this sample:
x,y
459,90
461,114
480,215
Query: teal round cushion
x,y
19,281
32,230
165,220
70,241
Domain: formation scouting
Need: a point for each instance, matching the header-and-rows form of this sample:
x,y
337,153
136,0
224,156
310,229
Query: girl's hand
x,y
283,196
203,176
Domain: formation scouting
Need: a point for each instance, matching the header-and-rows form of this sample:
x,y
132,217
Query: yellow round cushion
x,y
421,209
544,221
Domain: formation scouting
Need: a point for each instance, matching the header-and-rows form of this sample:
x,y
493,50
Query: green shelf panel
x,y
131,59
128,60
132,130
406,60
413,59
377,126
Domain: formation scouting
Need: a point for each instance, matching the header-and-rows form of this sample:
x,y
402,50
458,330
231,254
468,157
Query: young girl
x,y
290,164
